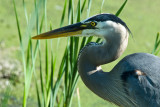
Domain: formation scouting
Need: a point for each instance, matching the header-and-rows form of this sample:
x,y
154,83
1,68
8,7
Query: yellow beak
x,y
70,30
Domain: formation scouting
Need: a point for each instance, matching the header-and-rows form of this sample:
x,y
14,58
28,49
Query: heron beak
x,y
70,30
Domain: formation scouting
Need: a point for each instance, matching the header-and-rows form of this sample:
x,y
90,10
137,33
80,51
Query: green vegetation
x,y
47,55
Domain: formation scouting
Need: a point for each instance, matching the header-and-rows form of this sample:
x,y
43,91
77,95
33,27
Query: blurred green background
x,y
141,16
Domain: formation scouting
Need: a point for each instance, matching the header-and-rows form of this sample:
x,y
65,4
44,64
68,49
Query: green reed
x,y
54,88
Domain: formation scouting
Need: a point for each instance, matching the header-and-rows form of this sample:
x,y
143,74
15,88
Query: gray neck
x,y
94,55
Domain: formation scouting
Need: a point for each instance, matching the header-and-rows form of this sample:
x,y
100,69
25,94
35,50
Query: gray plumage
x,y
133,82
145,89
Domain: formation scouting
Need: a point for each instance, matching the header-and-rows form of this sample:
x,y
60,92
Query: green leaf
x,y
84,3
121,8
63,13
156,48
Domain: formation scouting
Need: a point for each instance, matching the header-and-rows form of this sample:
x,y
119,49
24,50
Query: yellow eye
x,y
93,23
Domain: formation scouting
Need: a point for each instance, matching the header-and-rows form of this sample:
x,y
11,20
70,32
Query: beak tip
x,y
34,37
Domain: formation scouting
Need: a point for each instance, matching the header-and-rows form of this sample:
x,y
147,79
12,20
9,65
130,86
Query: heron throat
x,y
94,54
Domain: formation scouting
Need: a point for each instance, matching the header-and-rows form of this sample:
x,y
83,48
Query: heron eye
x,y
93,23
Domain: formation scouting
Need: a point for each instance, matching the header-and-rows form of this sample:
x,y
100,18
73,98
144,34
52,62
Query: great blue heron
x,y
133,82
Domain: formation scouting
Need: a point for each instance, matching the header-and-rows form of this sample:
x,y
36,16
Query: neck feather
x,y
93,55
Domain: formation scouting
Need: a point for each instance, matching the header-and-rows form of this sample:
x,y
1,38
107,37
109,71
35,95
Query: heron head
x,y
99,25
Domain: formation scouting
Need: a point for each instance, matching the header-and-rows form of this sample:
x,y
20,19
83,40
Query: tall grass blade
x,y
121,8
89,7
20,37
22,52
31,23
46,65
41,92
38,93
83,6
53,63
25,11
70,10
79,11
45,13
41,79
63,13
102,6
156,48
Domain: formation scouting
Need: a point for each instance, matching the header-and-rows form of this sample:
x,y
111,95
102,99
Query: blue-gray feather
x,y
146,87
